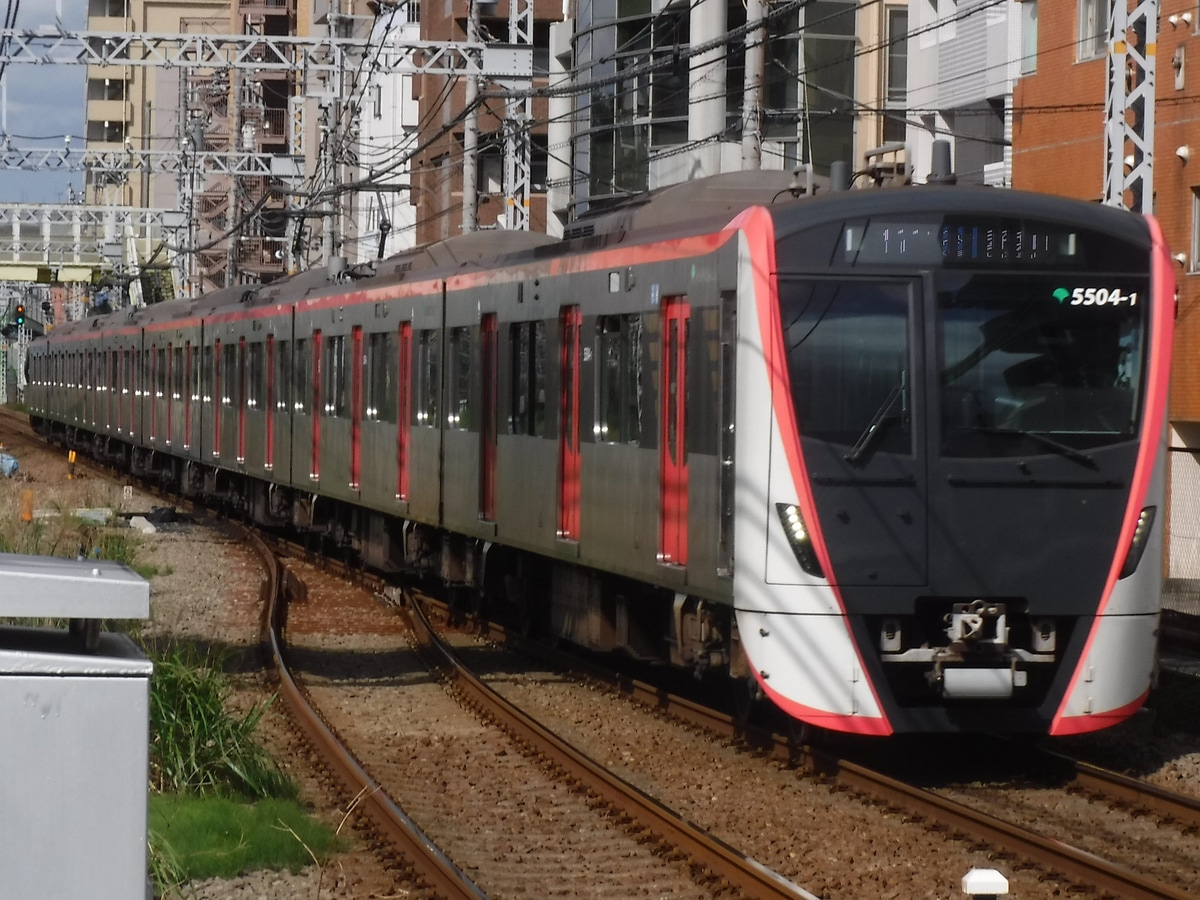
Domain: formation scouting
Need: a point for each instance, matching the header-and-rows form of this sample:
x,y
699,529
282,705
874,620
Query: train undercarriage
x,y
538,595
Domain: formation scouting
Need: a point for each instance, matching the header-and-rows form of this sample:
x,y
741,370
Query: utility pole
x,y
518,115
756,39
470,177
1129,124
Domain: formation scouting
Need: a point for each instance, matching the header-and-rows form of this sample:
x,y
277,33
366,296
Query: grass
x,y
219,806
196,745
219,837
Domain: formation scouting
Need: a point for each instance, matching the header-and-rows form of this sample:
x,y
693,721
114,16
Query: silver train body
x,y
732,430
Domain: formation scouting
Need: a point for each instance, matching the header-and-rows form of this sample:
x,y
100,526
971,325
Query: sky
x,y
41,104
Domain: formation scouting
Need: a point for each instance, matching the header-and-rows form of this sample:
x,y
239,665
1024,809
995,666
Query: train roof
x,y
717,199
960,200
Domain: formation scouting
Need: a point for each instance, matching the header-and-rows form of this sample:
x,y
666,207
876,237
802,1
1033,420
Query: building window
x,y
110,8
1029,17
1093,28
1193,263
106,132
106,89
896,77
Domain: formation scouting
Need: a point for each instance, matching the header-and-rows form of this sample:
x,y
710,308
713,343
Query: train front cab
x,y
916,569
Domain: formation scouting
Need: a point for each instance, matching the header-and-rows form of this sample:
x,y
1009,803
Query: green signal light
x,y
1061,294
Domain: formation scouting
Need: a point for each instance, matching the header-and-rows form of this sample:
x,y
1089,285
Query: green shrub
x,y
196,745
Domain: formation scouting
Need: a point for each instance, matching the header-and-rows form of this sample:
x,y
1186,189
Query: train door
x,y
672,448
152,392
171,375
314,471
356,405
128,388
404,386
241,400
191,393
110,384
269,449
487,425
215,374
570,322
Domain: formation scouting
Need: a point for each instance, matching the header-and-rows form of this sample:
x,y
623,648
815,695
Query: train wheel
x,y
804,734
747,698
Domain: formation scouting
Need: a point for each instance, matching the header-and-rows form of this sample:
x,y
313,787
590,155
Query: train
x,y
893,459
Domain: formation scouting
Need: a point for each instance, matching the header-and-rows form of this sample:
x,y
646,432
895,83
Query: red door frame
x,y
673,492
241,400
570,322
314,471
269,452
356,405
188,396
111,375
403,408
216,398
489,332
170,394
152,393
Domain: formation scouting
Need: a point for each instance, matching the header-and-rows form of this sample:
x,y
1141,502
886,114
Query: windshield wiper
x,y
875,426
1046,441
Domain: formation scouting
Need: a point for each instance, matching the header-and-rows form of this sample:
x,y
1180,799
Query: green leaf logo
x,y
1061,294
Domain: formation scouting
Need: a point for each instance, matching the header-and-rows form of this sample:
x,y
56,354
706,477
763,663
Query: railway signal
x,y
19,318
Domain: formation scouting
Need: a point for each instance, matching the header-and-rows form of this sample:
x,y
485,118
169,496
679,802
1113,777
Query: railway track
x,y
1064,862
717,869
1123,794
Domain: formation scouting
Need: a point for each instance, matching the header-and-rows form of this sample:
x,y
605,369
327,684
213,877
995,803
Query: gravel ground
x,y
207,590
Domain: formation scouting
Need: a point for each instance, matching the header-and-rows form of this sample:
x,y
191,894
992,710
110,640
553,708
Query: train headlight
x,y
1137,546
799,538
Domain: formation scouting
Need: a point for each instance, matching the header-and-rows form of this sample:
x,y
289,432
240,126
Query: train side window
x,y
256,385
388,407
381,377
160,374
178,382
428,366
618,400
229,373
527,405
333,387
301,378
206,374
283,376
458,373
127,384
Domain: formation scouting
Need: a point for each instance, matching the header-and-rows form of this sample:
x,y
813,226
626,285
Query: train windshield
x,y
1052,360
